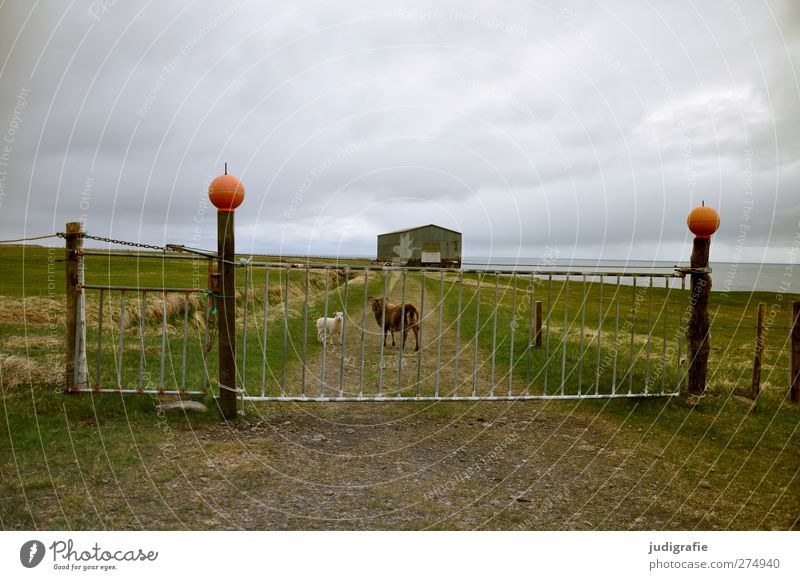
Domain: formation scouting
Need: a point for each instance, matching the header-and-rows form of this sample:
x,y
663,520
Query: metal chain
x,y
131,244
169,248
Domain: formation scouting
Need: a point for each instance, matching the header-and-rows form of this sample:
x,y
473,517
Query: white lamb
x,y
330,327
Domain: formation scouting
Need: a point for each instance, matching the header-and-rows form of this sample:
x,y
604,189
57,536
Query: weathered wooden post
x,y
74,244
226,193
794,387
756,384
76,352
703,221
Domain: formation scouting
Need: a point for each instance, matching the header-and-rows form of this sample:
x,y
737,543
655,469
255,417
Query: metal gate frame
x,y
538,331
382,396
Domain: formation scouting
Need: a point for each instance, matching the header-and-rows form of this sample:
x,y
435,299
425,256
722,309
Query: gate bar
x,y
343,338
649,335
244,325
531,314
121,336
582,354
264,336
477,329
304,362
383,334
502,271
394,399
163,338
439,336
681,372
324,331
458,334
419,329
616,339
564,336
633,335
139,288
494,331
402,335
185,339
513,328
363,332
547,338
664,347
205,346
98,357
600,319
285,329
142,314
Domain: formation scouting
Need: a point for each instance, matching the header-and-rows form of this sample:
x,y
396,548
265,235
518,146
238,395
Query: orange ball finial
x,y
226,192
703,221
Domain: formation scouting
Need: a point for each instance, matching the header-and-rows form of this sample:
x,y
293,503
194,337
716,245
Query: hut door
x,y
431,253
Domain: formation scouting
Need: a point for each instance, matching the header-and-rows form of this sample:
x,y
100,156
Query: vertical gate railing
x,y
139,339
142,340
603,334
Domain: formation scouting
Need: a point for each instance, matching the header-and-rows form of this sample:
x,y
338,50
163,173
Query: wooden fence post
x,y
703,222
756,385
74,244
226,193
227,313
794,388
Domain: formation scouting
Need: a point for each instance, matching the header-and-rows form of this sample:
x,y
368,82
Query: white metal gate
x,y
483,334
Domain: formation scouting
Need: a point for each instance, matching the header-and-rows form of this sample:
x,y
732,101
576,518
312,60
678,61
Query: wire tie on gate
x,y
208,292
232,389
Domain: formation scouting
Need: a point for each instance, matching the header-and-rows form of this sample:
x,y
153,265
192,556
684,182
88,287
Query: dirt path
x,y
531,465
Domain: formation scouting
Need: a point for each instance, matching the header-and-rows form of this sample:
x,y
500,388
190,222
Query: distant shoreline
x,y
471,260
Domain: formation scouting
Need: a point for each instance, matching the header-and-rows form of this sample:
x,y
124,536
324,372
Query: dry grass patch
x,y
16,370
31,310
26,342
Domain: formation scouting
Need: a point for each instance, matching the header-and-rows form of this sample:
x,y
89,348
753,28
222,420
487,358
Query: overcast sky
x,y
581,129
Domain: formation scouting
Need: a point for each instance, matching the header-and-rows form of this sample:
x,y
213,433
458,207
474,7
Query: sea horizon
x,y
726,276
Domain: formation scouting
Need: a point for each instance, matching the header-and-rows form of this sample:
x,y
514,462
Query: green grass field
x,y
57,444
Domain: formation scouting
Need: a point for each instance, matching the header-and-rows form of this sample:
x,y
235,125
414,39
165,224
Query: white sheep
x,y
330,327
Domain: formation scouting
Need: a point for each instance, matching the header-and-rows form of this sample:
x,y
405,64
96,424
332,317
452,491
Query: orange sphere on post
x,y
703,221
226,192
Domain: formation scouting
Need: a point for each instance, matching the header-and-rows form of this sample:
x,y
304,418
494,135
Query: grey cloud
x,y
591,128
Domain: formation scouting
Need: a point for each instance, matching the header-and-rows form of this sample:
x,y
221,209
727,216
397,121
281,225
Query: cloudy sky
x,y
585,129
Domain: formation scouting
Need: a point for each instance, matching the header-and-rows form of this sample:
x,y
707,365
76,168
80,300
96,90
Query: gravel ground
x,y
535,465
540,466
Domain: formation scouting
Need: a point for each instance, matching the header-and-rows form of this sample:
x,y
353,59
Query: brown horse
x,y
394,319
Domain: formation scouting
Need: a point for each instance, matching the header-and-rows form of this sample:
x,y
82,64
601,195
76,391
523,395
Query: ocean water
x,y
725,276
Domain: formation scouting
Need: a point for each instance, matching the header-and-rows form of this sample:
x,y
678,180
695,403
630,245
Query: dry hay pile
x,y
176,305
16,370
31,310
316,289
22,342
